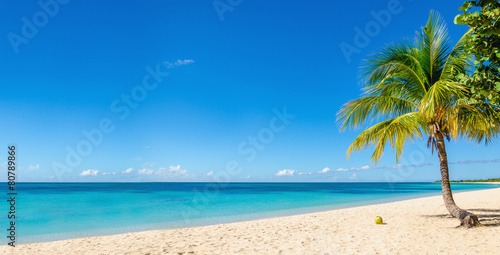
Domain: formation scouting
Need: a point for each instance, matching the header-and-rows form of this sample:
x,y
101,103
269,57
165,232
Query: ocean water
x,y
56,211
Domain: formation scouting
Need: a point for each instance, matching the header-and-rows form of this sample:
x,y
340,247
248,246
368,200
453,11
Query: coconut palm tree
x,y
413,89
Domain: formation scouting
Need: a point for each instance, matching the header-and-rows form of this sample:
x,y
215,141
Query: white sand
x,y
417,226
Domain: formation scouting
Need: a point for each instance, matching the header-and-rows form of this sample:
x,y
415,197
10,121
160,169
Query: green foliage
x,y
483,42
413,89
482,180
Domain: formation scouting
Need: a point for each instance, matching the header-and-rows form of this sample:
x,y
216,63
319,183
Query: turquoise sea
x,y
56,211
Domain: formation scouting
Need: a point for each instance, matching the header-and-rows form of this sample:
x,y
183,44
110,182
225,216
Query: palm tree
x,y
413,88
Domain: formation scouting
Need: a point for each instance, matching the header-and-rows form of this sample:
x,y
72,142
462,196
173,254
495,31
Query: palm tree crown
x,y
413,89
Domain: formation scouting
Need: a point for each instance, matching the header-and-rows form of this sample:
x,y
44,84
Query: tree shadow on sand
x,y
487,217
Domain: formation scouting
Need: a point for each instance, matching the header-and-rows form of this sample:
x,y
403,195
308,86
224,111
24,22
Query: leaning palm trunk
x,y
467,219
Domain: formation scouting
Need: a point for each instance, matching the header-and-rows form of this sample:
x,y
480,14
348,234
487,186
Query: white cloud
x,y
129,170
178,63
325,170
34,167
285,172
210,173
177,170
353,177
290,172
29,167
145,171
172,170
149,164
367,167
395,166
108,173
305,173
246,177
184,62
484,161
89,172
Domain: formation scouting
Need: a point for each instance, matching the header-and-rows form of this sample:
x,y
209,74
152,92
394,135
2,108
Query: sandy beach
x,y
417,226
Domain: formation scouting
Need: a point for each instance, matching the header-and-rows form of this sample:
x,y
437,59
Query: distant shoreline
x,y
479,182
487,181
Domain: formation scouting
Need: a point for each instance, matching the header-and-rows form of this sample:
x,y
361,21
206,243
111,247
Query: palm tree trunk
x,y
467,219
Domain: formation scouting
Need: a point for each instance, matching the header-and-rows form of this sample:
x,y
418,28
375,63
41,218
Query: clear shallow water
x,y
55,211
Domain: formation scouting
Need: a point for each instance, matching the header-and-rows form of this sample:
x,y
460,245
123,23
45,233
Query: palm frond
x,y
396,61
357,112
433,47
413,90
457,62
397,131
439,98
474,121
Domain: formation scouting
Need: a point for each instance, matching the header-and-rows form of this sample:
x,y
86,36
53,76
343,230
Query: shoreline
x,y
479,182
348,230
472,182
230,219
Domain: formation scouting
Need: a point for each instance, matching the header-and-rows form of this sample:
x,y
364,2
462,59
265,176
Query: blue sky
x,y
203,91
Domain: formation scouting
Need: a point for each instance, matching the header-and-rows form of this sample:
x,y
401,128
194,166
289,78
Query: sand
x,y
417,226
